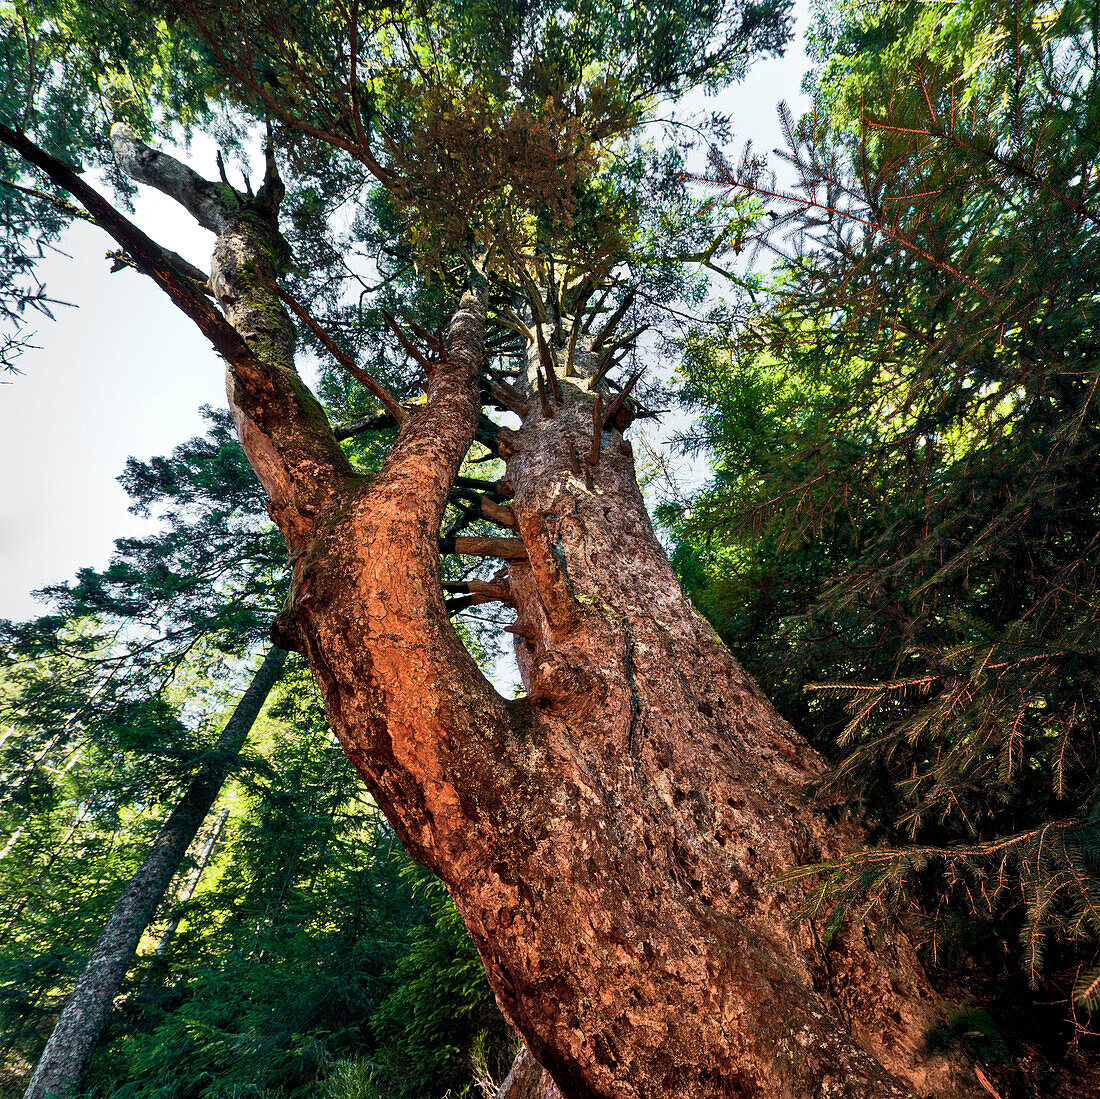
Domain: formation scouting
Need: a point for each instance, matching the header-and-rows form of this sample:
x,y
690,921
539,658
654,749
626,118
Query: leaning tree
x,y
612,837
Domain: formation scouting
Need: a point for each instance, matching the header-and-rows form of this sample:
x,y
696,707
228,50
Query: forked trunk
x,y
611,839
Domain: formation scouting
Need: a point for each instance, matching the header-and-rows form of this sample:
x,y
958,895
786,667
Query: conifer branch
x,y
415,352
148,256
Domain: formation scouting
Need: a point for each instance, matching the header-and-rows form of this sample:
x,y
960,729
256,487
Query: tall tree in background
x,y
610,837
906,486
107,697
67,1054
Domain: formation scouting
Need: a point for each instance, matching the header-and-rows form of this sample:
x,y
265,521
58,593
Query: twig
x,y
432,339
425,363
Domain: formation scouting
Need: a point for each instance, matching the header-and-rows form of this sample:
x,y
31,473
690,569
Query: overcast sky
x,y
125,374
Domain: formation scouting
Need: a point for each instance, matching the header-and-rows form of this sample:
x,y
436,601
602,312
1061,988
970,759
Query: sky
x,y
124,373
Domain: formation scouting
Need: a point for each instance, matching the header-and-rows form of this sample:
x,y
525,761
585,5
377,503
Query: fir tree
x,y
905,486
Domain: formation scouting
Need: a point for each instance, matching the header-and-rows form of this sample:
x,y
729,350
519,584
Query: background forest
x,y
892,364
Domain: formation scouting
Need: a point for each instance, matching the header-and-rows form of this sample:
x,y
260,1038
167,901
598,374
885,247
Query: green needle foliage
x,y
132,644
902,537
315,953
410,136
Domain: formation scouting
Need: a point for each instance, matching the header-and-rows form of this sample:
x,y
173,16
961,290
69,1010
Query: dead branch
x,y
547,411
613,320
508,549
425,363
597,430
619,401
367,381
605,365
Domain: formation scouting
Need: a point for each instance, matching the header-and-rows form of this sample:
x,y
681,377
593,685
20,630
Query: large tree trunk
x,y
69,1050
612,838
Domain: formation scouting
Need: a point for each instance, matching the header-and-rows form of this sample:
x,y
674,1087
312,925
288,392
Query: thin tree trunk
x,y
202,857
69,1050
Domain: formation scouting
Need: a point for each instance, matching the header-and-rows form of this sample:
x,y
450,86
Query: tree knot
x,y
559,682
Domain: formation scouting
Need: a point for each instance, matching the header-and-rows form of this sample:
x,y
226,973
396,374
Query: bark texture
x,y
191,881
612,837
528,1080
69,1050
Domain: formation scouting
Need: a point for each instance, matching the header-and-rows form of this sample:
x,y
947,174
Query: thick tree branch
x,y
505,400
490,488
147,255
508,549
502,516
282,427
184,266
210,204
293,423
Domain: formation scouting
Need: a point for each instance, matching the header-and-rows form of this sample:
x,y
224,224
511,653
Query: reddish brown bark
x,y
612,838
